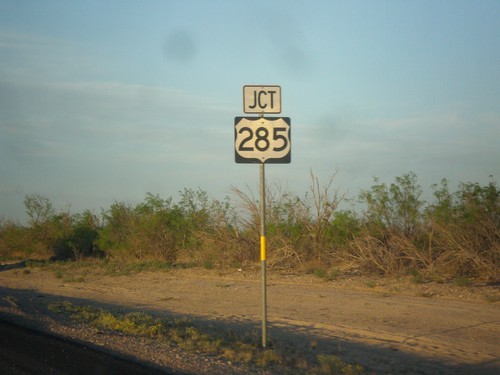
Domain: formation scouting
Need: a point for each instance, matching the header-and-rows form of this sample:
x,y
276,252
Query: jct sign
x,y
261,99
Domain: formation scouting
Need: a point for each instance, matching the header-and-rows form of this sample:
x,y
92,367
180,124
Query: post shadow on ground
x,y
293,340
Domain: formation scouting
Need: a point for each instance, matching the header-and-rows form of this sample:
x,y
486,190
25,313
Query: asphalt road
x,y
25,351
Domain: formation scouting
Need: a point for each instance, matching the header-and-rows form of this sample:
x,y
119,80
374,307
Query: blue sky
x,y
104,101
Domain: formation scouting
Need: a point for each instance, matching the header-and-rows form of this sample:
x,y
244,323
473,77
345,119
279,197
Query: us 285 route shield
x,y
262,140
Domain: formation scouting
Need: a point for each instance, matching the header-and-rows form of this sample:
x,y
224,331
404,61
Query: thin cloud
x,y
61,119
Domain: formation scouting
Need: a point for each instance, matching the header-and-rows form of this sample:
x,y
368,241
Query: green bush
x,y
15,241
153,229
464,234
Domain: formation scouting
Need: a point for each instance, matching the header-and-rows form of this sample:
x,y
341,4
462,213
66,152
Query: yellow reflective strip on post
x,y
262,247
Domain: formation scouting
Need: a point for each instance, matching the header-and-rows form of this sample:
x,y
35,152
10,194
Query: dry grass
x,y
186,335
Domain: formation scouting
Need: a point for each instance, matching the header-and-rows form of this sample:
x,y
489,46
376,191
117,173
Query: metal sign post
x,y
262,140
263,252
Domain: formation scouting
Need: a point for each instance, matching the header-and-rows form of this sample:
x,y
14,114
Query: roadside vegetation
x,y
394,232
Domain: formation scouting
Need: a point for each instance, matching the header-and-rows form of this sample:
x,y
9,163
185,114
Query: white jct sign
x,y
262,139
261,99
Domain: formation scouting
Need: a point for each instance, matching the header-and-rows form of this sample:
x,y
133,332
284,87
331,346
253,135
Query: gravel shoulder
x,y
387,326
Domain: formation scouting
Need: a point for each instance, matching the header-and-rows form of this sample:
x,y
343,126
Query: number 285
x,y
260,140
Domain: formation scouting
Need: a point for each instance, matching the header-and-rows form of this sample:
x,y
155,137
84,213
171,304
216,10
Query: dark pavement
x,y
25,351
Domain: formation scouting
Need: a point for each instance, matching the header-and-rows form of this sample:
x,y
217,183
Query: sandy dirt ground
x,y
387,326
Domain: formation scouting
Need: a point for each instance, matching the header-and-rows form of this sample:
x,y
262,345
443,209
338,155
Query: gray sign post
x,y
263,255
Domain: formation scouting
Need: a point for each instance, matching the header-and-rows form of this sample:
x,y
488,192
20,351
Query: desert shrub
x,y
464,230
287,220
59,232
48,230
456,235
83,238
202,229
344,227
299,229
159,229
391,233
324,202
67,236
15,241
285,213
43,230
117,225
396,208
153,229
38,208
214,236
393,255
49,234
196,207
